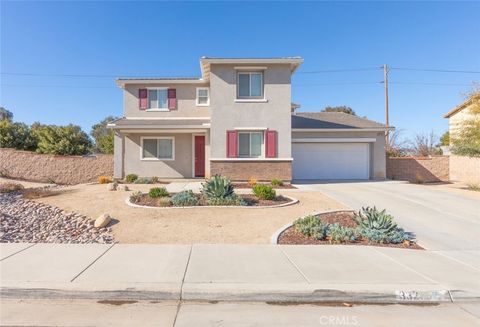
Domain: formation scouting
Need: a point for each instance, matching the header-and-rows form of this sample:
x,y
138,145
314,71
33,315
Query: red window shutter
x,y
231,144
142,99
271,144
172,99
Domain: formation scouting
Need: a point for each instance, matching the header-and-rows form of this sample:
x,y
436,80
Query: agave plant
x,y
374,219
218,187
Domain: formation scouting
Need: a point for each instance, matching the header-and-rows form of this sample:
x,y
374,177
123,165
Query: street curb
x,y
276,235
192,292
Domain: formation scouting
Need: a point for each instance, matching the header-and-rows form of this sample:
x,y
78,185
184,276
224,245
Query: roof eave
x,y
353,129
123,82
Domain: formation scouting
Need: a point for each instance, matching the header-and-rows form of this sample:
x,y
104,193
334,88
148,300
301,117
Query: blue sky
x,y
167,39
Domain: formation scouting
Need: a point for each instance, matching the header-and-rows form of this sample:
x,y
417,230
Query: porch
x,y
165,148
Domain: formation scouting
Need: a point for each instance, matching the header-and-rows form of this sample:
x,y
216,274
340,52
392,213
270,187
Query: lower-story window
x,y
158,148
250,144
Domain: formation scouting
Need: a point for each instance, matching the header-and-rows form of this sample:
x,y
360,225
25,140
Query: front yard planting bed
x,y
294,236
249,199
246,186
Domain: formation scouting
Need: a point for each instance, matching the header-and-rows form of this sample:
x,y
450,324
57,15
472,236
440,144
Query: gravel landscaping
x,y
23,220
293,236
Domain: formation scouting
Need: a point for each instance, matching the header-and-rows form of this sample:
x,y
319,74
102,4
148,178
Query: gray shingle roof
x,y
328,120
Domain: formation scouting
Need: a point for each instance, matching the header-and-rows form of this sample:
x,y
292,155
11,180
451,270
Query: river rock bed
x,y
22,220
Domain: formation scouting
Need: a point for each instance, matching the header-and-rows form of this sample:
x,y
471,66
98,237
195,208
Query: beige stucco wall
x,y
228,114
465,169
54,168
180,167
378,168
186,102
455,122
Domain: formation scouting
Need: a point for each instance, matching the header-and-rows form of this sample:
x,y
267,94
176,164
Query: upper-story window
x,y
157,99
203,96
250,85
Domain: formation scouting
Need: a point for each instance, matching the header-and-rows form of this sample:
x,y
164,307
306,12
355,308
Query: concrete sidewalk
x,y
233,273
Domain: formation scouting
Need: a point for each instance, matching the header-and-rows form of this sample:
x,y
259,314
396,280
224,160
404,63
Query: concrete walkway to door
x,y
445,220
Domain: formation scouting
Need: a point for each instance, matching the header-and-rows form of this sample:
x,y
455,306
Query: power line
x,y
60,75
339,83
64,86
429,83
339,70
437,70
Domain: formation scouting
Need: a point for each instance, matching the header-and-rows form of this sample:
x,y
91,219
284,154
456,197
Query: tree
x,y
396,146
343,109
5,114
103,136
445,139
467,142
61,140
425,145
16,136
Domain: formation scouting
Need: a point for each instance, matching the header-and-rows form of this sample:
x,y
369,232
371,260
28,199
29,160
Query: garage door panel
x,y
330,160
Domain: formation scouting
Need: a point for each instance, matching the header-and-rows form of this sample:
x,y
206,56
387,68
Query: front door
x,y
199,155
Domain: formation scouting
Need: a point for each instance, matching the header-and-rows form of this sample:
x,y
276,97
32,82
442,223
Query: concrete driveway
x,y
444,220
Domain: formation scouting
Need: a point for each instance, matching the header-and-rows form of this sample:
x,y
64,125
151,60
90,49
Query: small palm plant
x,y
218,187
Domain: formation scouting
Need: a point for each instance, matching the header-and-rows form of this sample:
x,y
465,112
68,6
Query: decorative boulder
x,y
102,221
123,187
112,186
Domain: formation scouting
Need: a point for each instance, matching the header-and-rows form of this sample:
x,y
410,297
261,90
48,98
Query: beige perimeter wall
x,y
465,169
418,170
59,169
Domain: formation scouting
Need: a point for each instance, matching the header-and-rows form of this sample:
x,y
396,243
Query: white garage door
x,y
330,160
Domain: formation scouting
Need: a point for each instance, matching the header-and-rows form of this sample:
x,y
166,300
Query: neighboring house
x,y
457,116
238,120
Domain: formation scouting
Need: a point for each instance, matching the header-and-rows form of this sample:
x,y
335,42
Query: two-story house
x,y
238,120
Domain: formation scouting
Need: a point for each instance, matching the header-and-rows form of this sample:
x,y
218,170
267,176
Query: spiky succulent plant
x,y
374,219
218,187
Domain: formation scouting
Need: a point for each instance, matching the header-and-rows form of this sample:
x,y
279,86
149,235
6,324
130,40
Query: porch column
x,y
118,154
207,153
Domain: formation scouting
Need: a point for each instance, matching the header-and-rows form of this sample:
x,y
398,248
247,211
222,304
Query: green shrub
x,y
143,180
16,135
466,149
218,187
379,236
10,187
135,196
130,178
103,136
312,226
61,140
341,234
276,182
264,192
158,192
231,201
184,199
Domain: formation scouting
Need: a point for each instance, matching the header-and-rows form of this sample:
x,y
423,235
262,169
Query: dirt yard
x,y
202,225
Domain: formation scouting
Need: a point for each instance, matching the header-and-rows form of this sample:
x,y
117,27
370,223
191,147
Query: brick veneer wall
x,y
465,169
260,170
419,170
60,169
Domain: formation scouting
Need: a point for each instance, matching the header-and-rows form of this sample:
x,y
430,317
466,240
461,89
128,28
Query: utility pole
x,y
385,83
